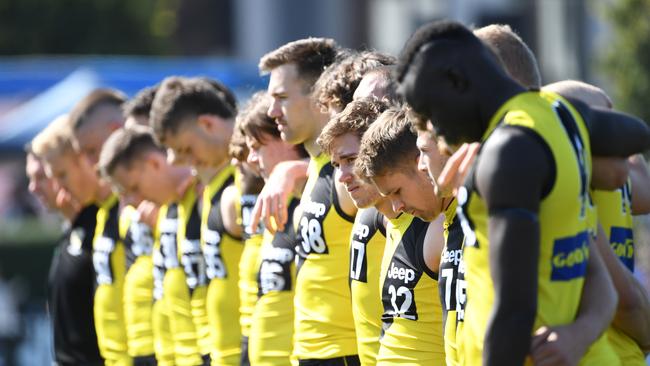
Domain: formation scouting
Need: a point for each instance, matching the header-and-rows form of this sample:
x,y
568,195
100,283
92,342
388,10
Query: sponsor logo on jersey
x,y
570,257
400,273
622,242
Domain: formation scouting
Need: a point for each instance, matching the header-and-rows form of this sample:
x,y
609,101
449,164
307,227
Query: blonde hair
x,y
54,140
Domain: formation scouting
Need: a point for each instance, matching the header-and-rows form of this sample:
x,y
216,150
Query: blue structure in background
x,y
51,86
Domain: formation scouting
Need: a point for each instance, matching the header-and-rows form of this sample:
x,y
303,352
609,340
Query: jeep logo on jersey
x,y
403,274
398,296
570,256
361,231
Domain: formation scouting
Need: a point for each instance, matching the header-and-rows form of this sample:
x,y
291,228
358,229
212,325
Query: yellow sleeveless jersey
x,y
451,285
166,232
109,261
138,282
367,243
412,315
176,293
271,336
191,258
249,257
222,253
615,215
324,326
564,226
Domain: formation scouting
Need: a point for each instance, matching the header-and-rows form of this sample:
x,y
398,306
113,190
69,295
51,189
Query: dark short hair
x,y
124,146
356,118
336,85
387,143
179,99
439,30
254,121
310,55
140,104
101,97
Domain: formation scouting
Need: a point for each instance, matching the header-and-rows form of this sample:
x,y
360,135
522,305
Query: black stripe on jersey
x,y
276,259
404,272
103,249
192,258
215,265
137,241
315,207
364,229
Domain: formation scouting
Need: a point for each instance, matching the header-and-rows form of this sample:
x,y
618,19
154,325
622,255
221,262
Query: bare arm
x,y
614,133
271,202
434,242
566,344
640,177
633,311
609,173
512,190
229,211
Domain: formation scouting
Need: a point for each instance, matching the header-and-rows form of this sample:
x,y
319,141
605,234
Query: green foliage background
x,y
627,59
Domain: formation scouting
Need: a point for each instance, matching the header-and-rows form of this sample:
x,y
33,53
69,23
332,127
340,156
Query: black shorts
x,y
244,352
338,361
145,361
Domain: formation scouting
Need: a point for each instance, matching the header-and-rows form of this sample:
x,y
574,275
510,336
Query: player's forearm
x,y
508,337
598,302
514,272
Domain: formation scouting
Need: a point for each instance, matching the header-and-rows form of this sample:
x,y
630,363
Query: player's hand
x,y
455,170
271,204
557,346
148,213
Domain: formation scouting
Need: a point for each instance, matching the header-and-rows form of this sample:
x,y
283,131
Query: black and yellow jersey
x,y
70,293
248,262
176,293
165,233
222,253
367,243
563,223
412,316
324,326
614,211
451,285
195,268
109,262
138,282
615,215
271,334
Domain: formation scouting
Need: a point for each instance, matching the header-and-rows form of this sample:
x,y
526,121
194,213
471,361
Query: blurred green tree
x,y
627,59
142,27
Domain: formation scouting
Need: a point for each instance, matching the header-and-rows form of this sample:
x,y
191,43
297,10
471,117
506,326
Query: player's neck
x,y
386,208
493,98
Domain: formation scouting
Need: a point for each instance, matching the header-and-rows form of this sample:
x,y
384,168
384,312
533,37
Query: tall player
x,y
518,203
71,276
92,120
340,139
272,328
194,118
324,329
